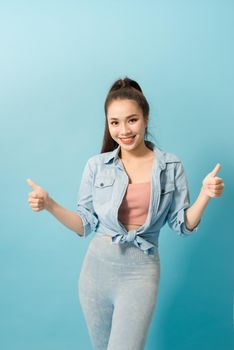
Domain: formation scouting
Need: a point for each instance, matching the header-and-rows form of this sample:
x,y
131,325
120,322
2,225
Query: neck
x,y
140,152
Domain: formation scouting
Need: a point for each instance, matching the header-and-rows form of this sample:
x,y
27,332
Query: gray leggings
x,y
118,287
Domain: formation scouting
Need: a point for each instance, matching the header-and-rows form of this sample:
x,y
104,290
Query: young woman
x,y
127,193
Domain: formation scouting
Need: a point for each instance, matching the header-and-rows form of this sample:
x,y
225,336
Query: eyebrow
x,y
129,116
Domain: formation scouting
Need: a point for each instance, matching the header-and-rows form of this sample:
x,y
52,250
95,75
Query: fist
x,y
38,199
213,185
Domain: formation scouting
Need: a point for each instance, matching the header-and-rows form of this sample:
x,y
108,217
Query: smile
x,y
127,140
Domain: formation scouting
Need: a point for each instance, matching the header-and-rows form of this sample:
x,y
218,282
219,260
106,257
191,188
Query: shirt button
x,y
163,190
101,184
179,222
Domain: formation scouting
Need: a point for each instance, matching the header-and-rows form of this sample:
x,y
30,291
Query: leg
x,y
98,316
133,310
96,306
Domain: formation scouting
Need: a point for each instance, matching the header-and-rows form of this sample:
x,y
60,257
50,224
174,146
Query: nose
x,y
124,130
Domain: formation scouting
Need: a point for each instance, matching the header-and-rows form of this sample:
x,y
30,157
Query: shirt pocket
x,y
167,181
167,188
103,189
167,192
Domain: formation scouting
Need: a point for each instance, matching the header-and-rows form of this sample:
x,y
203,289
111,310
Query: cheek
x,y
113,131
140,129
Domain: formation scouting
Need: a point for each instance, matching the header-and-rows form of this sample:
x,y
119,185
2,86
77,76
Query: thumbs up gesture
x,y
38,199
213,185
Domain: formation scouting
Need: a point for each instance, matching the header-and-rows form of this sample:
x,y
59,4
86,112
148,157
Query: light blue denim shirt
x,y
103,186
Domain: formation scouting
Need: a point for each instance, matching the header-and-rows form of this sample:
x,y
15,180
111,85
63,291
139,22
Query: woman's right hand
x,y
38,199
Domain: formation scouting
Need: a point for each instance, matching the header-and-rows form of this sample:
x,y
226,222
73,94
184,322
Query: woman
x,y
127,193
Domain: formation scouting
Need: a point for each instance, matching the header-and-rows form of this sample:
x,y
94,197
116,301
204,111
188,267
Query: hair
x,y
124,89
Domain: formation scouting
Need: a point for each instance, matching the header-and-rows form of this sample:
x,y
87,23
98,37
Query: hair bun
x,y
125,83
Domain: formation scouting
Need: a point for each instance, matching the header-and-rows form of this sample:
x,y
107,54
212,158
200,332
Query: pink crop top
x,y
135,204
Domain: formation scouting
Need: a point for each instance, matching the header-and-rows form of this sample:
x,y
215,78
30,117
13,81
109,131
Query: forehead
x,y
123,108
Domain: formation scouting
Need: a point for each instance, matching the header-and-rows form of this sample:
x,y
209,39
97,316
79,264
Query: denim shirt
x,y
102,189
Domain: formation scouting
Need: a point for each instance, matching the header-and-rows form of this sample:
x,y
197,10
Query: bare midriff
x,y
128,227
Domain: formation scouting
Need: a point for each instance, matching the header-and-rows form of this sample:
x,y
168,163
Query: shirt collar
x,y
160,155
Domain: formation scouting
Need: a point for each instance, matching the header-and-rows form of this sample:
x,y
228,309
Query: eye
x,y
133,120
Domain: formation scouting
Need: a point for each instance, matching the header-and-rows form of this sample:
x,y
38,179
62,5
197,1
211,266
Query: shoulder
x,y
171,158
98,162
171,163
168,157
99,158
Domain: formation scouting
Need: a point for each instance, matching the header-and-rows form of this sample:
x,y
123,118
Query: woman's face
x,y
126,123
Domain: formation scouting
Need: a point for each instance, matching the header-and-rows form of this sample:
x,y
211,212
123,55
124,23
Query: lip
x,y
128,140
129,137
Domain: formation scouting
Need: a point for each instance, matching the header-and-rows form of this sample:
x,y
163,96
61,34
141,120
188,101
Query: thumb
x,y
32,184
215,170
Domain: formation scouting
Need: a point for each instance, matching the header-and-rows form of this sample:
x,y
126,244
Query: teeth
x,y
127,140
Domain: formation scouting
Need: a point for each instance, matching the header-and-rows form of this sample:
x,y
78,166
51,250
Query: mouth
x,y
127,140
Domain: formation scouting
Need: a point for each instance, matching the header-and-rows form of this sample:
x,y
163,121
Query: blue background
x,y
57,62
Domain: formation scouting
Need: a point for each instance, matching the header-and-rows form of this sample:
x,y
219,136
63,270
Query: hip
x,y
101,248
108,267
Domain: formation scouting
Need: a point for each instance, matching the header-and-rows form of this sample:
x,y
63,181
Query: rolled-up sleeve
x,y
85,201
180,202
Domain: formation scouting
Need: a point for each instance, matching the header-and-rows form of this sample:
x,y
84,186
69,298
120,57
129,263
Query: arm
x,y
85,200
178,217
39,200
68,218
84,220
212,187
194,213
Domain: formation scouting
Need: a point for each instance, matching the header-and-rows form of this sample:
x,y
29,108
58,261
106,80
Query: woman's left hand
x,y
213,185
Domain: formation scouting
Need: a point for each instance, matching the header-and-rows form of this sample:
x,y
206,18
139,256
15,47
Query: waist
x,y
107,237
123,254
146,242
128,227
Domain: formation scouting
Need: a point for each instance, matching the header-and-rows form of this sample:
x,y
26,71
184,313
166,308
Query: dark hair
x,y
124,89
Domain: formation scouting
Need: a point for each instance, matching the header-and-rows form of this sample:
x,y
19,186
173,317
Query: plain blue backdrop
x,y
57,61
